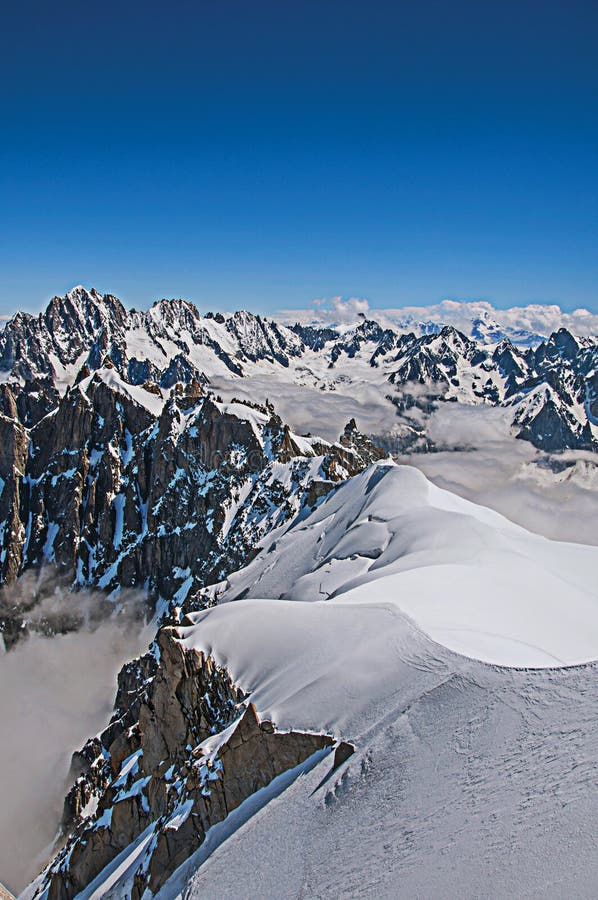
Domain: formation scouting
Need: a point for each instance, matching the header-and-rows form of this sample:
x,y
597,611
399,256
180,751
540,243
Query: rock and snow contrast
x,y
547,382
342,631
525,326
358,683
118,487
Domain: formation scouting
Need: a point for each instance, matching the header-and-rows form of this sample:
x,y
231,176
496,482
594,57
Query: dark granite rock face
x,y
366,333
591,399
262,339
559,381
138,477
28,403
546,387
14,449
551,429
313,337
81,323
180,370
86,328
433,358
118,488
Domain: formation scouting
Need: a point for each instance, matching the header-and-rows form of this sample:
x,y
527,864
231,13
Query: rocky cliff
x,y
121,468
185,748
123,486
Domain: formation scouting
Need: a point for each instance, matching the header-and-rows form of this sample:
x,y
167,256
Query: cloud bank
x,y
337,310
536,319
478,457
556,496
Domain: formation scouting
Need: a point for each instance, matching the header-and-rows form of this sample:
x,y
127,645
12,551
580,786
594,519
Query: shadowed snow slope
x,y
468,781
468,577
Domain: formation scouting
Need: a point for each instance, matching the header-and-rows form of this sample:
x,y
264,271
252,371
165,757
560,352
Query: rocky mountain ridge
x,y
183,751
128,487
550,389
121,468
525,326
311,634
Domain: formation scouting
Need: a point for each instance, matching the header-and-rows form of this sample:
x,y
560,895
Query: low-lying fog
x,y
55,692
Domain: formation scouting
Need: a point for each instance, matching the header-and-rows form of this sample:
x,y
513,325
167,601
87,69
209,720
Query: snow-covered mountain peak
x,y
174,312
150,399
88,307
472,355
525,326
347,597
470,578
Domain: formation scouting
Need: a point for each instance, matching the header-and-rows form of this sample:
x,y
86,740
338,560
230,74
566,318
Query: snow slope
x,y
471,579
468,780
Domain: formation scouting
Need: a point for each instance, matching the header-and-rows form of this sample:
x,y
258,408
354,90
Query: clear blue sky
x,y
261,154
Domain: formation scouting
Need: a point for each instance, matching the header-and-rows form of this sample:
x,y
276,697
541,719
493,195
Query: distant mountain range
x,y
549,386
123,468
524,326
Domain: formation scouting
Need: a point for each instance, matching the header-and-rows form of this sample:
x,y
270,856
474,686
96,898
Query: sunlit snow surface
x,y
469,578
475,771
469,780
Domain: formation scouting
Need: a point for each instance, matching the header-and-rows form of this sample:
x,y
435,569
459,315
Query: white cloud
x,y
54,693
481,461
537,319
308,408
348,310
479,457
327,311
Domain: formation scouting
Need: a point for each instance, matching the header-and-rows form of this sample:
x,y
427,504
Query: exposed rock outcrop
x,y
122,488
120,469
185,752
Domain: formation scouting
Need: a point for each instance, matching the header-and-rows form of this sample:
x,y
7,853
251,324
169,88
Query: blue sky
x,y
263,154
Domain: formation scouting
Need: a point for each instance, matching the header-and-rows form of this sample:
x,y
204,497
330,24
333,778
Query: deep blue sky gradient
x,y
263,154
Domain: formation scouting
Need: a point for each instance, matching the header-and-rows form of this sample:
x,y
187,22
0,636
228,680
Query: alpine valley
x,y
354,682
